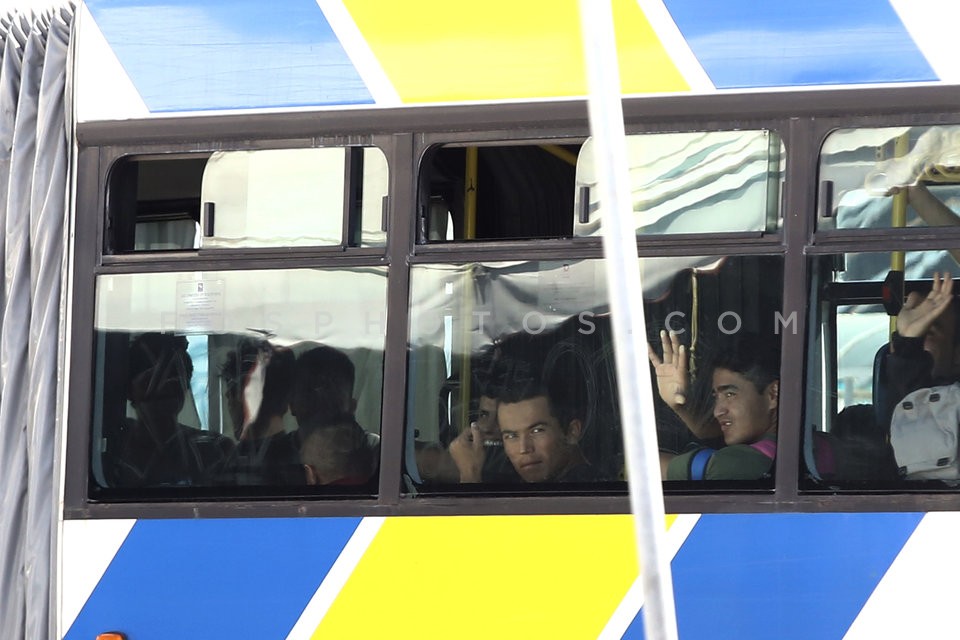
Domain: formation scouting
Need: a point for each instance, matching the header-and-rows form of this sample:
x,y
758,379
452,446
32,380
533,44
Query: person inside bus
x,y
257,379
154,448
925,347
323,393
540,412
478,451
337,454
745,389
323,386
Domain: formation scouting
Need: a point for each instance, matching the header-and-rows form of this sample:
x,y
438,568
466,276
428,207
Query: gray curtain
x,y
34,160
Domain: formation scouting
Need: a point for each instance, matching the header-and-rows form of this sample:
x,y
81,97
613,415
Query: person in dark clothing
x,y
540,412
337,454
924,348
155,449
322,399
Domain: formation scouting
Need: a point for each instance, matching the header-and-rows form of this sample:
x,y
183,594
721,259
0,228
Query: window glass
x,y
877,353
695,182
512,380
238,381
237,199
890,177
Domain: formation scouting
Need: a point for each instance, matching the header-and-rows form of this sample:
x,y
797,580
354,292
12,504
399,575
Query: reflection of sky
x,y
197,350
859,336
920,265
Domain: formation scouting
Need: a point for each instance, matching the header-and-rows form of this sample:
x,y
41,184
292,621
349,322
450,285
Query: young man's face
x,y
744,414
538,447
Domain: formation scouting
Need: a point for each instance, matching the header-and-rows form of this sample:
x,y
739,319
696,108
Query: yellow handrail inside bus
x,y
560,152
467,290
899,217
470,195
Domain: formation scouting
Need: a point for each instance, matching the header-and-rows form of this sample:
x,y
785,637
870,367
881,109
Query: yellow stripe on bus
x,y
440,51
487,577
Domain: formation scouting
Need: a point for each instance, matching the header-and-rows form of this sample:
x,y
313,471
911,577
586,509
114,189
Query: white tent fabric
x,y
34,160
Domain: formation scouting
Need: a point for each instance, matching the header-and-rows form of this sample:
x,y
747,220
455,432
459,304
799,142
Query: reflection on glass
x,y
692,183
496,349
238,379
891,177
293,197
262,198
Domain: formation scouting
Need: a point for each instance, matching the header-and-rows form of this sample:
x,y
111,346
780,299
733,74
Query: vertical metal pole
x,y
898,259
467,290
626,303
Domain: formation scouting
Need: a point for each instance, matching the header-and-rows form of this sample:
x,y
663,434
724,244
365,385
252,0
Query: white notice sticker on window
x,y
200,306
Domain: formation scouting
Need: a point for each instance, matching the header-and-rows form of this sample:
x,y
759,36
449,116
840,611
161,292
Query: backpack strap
x,y
698,463
766,447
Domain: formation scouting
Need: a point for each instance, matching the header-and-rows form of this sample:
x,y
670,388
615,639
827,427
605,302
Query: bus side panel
x,y
819,575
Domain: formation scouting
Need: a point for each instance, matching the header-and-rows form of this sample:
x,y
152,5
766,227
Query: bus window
x,y
860,169
497,191
862,376
228,382
241,199
716,181
489,341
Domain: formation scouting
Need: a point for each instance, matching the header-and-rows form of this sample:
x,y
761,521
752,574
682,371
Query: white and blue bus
x,y
265,264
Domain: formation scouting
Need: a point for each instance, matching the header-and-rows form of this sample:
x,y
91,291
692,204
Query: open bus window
x,y
512,383
711,181
239,199
890,177
497,191
868,388
237,382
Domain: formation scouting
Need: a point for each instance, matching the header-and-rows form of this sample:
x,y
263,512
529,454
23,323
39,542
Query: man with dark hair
x,y
323,386
745,389
540,412
478,451
155,449
337,454
322,400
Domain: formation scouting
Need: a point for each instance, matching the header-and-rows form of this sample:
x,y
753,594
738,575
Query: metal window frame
x,y
801,118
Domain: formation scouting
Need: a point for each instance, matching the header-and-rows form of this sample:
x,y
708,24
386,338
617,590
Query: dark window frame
x,y
801,118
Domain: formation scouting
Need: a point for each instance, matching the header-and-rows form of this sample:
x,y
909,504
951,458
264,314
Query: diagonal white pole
x,y
626,304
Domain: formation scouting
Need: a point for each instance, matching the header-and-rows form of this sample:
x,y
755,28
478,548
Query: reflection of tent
x,y
505,297
690,182
345,307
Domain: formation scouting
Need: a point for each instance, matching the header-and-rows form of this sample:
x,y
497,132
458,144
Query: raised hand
x,y
468,454
919,312
671,370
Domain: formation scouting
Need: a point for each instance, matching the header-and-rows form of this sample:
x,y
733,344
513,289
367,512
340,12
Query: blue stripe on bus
x,y
745,43
184,55
222,578
781,576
